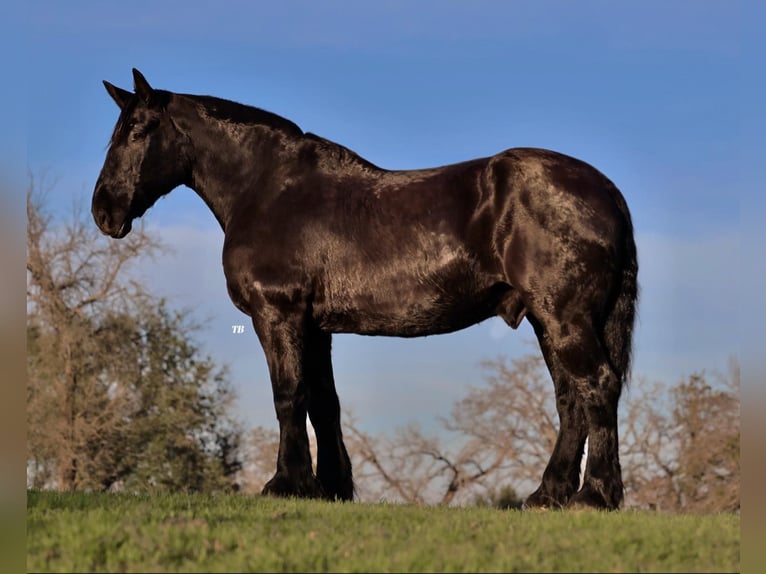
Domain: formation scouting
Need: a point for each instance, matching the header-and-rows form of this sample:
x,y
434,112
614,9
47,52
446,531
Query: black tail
x,y
618,330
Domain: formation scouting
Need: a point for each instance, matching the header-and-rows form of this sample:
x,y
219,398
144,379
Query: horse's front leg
x,y
333,463
283,335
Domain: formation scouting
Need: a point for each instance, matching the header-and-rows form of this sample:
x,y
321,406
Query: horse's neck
x,y
229,158
232,157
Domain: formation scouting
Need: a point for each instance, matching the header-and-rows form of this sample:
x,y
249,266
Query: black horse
x,y
319,240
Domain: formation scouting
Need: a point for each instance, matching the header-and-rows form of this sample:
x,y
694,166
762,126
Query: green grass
x,y
201,533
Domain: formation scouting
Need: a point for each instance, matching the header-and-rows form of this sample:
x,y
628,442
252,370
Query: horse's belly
x,y
408,307
414,321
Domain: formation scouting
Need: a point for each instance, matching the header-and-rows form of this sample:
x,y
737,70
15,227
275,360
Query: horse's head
x,y
148,157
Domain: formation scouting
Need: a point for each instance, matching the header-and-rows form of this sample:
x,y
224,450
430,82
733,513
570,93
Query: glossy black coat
x,y
319,241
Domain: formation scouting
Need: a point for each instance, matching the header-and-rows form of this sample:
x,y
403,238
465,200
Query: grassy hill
x,y
205,533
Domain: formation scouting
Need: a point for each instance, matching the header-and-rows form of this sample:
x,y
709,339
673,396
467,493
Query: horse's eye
x,y
134,133
144,130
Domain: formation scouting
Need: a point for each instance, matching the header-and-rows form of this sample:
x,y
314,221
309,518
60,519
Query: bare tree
x,y
681,445
405,468
511,421
499,436
648,447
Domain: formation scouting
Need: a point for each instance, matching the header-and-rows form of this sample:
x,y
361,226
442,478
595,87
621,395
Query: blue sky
x,y
651,94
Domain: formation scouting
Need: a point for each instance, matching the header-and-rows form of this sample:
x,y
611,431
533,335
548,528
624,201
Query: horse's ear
x,y
142,87
119,95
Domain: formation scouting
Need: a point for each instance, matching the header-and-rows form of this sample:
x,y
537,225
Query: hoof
x,y
343,491
282,485
540,500
336,486
591,499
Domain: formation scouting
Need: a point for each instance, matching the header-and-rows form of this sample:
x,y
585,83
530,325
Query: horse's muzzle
x,y
107,222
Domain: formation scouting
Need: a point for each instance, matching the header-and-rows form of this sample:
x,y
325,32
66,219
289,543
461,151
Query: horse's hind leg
x,y
562,474
333,463
598,390
595,390
561,478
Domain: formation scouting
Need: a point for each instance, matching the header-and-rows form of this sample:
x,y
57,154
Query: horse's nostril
x,y
103,220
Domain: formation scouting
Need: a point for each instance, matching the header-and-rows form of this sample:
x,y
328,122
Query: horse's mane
x,y
339,152
230,111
